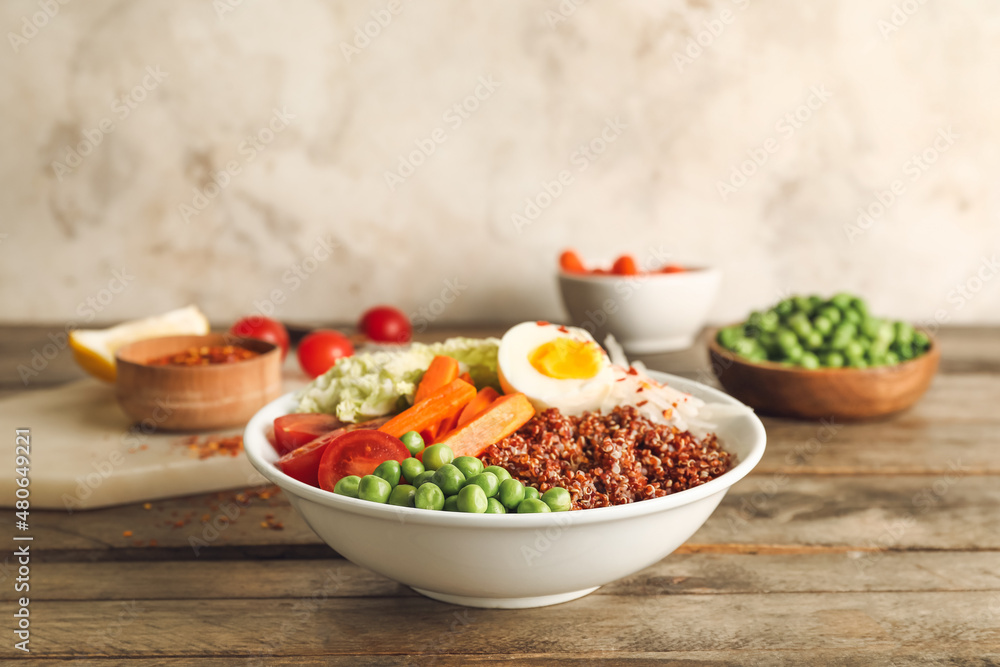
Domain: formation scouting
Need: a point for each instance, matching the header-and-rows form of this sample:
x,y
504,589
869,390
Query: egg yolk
x,y
567,359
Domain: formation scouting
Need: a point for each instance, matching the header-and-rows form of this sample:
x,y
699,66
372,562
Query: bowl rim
x,y
268,350
691,273
933,352
254,438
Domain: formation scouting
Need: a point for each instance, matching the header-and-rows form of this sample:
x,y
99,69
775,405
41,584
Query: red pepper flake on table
x,y
213,445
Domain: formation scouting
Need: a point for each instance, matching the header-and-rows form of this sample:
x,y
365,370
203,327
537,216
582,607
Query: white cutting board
x,y
85,453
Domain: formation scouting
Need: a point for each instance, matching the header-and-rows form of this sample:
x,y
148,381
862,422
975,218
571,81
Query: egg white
x,y
571,397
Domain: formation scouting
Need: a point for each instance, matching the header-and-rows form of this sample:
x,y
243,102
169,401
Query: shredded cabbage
x,y
373,384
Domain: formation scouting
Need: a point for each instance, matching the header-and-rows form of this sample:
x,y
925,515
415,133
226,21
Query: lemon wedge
x,y
94,349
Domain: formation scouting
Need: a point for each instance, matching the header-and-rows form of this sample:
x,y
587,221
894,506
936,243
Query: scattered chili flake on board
x,y
147,506
213,445
127,533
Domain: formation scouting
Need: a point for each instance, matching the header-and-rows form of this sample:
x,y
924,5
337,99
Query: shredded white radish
x,y
657,401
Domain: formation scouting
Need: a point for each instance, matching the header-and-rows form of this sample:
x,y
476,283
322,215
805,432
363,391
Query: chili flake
x,y
205,355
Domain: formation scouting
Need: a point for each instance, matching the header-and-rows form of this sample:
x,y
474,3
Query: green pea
x,y
557,498
531,492
374,489
833,360
449,478
532,506
785,307
748,347
423,478
858,304
451,504
794,354
877,348
870,326
921,340
487,481
813,341
511,493
403,495
822,324
728,336
411,469
854,349
831,313
501,473
904,350
842,335
436,456
769,321
842,300
428,497
851,315
809,360
891,358
787,340
413,441
493,506
347,486
802,304
389,471
886,332
799,323
469,465
858,363
472,499
904,332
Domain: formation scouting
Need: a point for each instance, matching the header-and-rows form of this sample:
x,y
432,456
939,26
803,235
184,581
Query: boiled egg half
x,y
555,367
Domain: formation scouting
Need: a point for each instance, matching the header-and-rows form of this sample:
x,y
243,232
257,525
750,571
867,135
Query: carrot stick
x,y
448,424
441,371
465,376
504,416
482,401
448,399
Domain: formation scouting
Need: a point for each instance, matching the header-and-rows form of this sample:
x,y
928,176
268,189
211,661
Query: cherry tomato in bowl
x,y
298,429
263,328
385,324
358,453
321,349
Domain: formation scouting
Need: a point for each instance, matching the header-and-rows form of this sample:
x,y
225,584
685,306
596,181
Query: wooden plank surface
x,y
850,544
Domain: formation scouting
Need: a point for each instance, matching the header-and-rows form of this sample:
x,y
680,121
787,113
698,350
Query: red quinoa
x,y
610,459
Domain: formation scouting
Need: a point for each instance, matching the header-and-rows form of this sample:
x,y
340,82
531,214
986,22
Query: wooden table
x,y
862,544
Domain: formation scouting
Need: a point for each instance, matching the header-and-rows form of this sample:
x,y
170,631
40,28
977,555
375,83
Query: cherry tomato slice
x,y
303,463
293,431
358,453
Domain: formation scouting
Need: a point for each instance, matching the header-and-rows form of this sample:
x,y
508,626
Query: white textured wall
x,y
884,97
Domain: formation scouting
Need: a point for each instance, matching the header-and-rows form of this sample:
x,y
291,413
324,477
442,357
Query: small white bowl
x,y
656,312
510,560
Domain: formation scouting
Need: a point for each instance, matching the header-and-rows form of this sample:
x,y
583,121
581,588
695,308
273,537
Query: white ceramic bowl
x,y
510,560
657,312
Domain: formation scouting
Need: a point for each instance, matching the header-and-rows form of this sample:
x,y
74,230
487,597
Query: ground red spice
x,y
605,460
213,445
206,355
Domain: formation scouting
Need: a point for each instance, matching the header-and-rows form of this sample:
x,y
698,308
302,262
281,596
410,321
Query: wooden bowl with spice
x,y
188,383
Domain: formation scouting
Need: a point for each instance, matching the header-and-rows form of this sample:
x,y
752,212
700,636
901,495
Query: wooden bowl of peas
x,y
814,358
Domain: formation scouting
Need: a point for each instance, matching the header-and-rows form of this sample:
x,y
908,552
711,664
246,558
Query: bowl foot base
x,y
506,603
